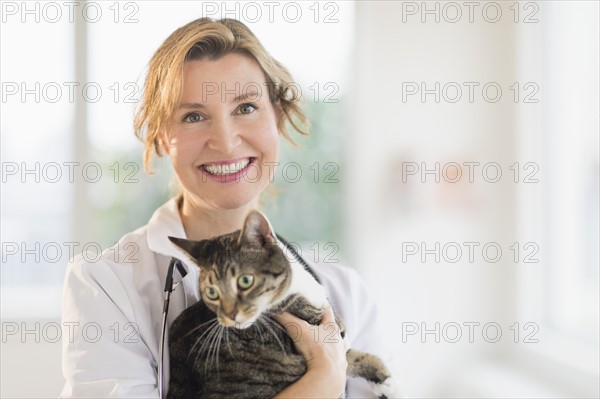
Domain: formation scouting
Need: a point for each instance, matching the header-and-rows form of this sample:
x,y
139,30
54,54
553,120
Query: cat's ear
x,y
257,230
191,248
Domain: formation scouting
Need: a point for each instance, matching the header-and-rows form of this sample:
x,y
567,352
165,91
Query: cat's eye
x,y
211,293
245,281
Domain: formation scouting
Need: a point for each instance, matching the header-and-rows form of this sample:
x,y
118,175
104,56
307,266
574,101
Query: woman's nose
x,y
224,136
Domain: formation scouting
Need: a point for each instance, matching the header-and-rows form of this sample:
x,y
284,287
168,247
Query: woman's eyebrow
x,y
191,105
242,97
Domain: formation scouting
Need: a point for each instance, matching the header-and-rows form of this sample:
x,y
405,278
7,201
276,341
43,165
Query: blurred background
x,y
453,162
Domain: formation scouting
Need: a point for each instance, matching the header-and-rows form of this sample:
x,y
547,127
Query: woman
x,y
216,103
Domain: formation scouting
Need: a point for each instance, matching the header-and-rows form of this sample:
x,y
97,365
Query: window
x,y
561,135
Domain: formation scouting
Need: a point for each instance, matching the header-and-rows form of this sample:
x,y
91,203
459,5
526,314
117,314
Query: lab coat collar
x,y
166,221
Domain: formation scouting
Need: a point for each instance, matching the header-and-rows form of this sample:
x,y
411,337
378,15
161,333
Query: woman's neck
x,y
203,222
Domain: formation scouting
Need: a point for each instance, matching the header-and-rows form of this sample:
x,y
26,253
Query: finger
x,y
291,323
328,321
285,317
328,316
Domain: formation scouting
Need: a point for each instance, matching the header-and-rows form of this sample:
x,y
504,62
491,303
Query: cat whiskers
x,y
276,324
208,333
218,346
210,338
227,339
265,322
259,329
200,326
208,330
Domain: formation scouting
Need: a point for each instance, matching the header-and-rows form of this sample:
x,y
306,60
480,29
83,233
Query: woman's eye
x,y
191,118
245,281
247,108
211,293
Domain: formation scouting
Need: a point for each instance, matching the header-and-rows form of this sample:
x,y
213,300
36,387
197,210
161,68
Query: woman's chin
x,y
234,203
233,199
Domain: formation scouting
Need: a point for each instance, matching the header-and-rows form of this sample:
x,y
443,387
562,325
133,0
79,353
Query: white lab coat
x,y
113,309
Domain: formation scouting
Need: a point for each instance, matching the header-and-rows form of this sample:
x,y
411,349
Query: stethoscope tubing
x,y
169,288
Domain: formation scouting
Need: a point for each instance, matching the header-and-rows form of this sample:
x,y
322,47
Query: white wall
x,y
394,47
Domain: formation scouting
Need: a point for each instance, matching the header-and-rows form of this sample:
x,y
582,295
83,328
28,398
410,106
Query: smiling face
x,y
223,140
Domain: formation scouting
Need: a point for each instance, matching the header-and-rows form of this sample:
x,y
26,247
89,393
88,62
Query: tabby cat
x,y
227,345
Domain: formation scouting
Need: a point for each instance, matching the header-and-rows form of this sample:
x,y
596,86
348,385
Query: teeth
x,y
222,169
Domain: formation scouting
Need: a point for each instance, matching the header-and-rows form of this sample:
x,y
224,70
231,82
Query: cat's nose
x,y
232,314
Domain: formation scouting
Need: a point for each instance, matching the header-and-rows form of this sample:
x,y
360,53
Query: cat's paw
x,y
388,389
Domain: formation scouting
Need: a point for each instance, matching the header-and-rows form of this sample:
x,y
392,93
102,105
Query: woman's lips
x,y
227,171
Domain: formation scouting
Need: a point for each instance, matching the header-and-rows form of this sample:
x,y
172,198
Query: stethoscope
x,y
170,286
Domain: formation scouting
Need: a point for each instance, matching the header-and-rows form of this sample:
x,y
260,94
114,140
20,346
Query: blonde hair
x,y
206,38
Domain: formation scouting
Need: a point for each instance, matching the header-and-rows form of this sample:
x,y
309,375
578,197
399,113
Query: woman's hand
x,y
325,353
